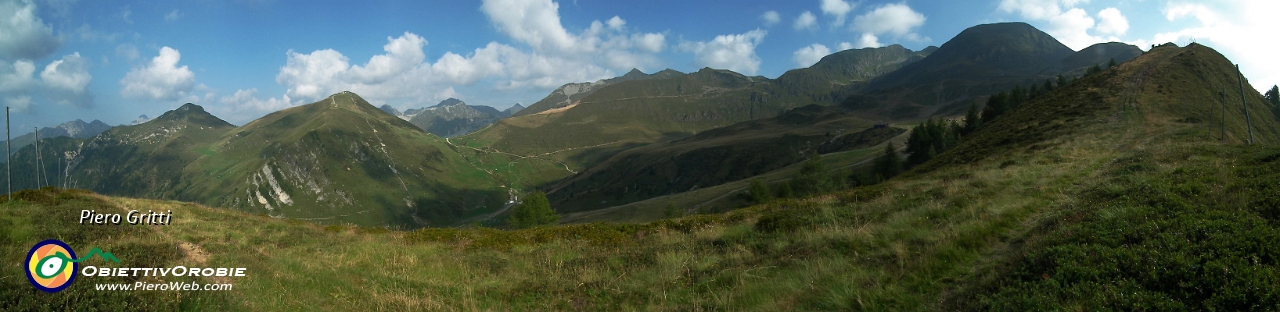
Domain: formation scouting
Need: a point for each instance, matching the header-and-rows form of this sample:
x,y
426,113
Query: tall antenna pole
x,y
1248,124
8,160
36,131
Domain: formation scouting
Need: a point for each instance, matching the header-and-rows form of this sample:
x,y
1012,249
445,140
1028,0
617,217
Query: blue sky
x,y
62,60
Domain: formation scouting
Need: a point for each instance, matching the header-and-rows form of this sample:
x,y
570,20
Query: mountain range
x,y
590,145
75,129
452,117
1142,186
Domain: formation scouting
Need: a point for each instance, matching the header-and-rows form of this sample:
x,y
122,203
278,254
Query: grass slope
x,y
714,157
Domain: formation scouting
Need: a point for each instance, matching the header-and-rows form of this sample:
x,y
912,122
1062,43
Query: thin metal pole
x,y
36,132
1248,124
8,156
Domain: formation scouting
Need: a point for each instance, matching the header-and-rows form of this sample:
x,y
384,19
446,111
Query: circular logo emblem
x,y
49,265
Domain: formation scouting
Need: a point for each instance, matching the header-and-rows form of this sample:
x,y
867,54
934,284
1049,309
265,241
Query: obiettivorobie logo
x,y
52,264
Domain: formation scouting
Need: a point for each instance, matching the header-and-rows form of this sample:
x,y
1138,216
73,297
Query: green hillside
x,y
339,160
714,157
830,79
1107,194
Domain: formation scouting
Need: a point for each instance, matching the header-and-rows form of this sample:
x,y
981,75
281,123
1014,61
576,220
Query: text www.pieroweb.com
x,y
170,286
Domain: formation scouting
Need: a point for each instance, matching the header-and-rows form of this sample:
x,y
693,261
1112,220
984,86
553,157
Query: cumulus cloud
x,y
1069,24
616,23
1112,22
404,74
806,20
868,40
536,23
807,56
68,80
23,35
844,46
16,76
770,18
896,19
837,9
160,79
545,56
733,52
246,100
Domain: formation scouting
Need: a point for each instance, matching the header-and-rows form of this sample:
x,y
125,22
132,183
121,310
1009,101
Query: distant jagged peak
x,y
635,72
450,102
141,119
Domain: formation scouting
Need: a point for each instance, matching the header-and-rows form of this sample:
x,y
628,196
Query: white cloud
x,y
1112,22
17,76
1069,24
844,46
806,20
868,40
732,52
807,56
245,101
404,76
71,74
897,19
173,16
837,9
770,18
533,22
616,23
160,79
650,42
67,80
23,35
1071,28
403,54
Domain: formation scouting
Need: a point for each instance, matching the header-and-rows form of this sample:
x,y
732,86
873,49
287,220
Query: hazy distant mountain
x,y
390,110
572,92
141,119
453,117
513,109
74,129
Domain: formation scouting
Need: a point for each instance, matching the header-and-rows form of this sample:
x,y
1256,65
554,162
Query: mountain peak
x,y
193,113
189,107
450,102
635,73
